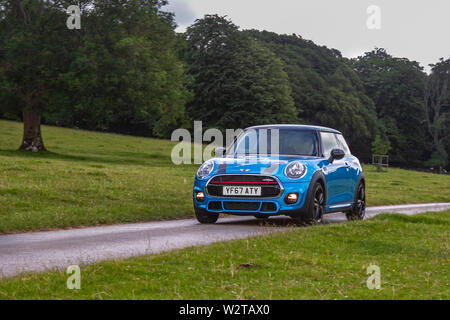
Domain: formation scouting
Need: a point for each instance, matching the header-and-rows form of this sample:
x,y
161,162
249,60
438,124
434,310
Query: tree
x,y
380,147
396,85
33,40
237,82
120,72
437,106
125,76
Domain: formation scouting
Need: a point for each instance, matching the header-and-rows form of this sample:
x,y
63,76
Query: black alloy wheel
x,y
358,211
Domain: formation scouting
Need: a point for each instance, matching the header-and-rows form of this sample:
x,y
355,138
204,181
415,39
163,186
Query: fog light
x,y
200,196
291,198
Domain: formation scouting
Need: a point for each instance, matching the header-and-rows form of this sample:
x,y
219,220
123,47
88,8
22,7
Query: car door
x,y
353,168
336,173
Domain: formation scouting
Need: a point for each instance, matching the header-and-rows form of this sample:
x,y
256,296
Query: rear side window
x,y
329,142
343,144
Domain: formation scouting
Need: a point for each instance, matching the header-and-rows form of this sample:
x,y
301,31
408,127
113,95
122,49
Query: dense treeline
x,y
127,71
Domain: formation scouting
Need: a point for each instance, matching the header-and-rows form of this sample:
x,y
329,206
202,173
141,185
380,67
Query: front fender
x,y
318,176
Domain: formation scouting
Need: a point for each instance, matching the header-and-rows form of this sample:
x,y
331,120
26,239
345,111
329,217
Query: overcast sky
x,y
416,29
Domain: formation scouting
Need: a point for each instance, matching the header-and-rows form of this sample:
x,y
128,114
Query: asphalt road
x,y
40,251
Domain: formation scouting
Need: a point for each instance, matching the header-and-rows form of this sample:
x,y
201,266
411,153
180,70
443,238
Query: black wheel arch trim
x,y
362,179
317,177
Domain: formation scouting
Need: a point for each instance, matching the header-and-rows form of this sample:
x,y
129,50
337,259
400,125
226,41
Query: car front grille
x,y
270,187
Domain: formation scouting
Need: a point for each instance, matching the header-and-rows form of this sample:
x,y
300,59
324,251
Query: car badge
x,y
245,170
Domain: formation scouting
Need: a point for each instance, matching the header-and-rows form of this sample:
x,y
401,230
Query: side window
x,y
343,144
329,142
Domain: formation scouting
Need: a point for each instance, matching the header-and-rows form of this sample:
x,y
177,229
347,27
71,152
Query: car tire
x,y
205,217
316,207
358,211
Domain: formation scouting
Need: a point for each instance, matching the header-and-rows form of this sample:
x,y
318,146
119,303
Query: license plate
x,y
242,191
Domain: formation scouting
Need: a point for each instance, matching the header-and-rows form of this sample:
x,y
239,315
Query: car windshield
x,y
275,141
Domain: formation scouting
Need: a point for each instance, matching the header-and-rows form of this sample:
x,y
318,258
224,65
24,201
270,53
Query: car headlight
x,y
205,169
295,170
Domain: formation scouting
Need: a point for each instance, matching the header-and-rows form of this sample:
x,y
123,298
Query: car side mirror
x,y
336,154
219,152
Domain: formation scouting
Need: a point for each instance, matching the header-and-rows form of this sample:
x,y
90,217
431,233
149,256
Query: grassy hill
x,y
90,178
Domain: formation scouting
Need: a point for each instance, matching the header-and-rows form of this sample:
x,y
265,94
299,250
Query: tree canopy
x,y
396,86
237,82
437,107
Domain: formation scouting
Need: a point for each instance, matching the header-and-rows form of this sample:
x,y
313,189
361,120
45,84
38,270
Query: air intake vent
x,y
215,206
268,207
241,206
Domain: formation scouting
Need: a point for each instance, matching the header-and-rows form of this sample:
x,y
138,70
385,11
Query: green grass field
x,y
90,178
320,262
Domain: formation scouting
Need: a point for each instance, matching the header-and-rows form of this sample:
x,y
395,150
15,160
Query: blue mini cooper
x,y
300,171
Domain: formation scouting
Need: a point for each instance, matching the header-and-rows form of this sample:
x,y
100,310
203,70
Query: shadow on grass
x,y
122,158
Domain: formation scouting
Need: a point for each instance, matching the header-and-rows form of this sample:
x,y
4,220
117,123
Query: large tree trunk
x,y
32,138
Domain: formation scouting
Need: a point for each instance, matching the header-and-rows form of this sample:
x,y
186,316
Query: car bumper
x,y
253,205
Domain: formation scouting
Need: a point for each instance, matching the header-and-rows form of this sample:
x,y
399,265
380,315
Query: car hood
x,y
265,165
